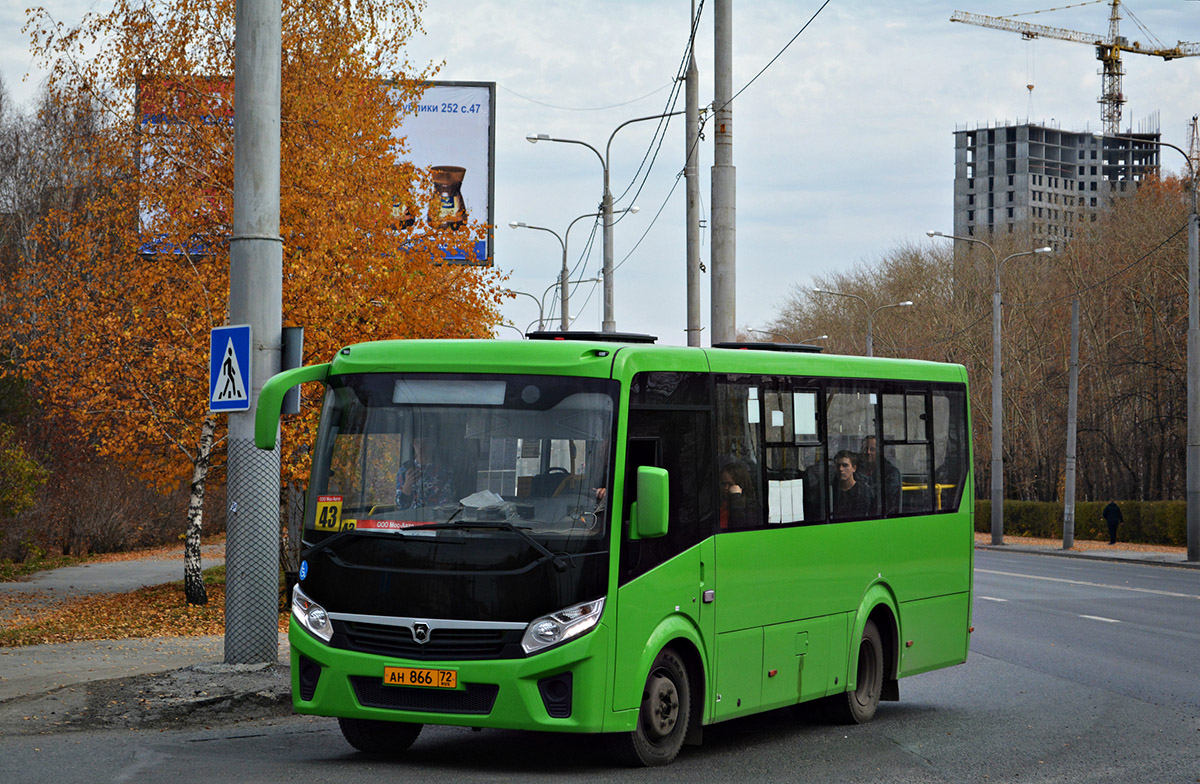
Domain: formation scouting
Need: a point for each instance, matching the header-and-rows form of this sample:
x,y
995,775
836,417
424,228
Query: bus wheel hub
x,y
663,705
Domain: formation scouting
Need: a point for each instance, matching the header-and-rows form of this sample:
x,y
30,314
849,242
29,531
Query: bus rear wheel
x,y
663,716
858,706
379,737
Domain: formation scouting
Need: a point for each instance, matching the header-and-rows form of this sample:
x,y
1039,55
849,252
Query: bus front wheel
x,y
663,716
379,737
858,706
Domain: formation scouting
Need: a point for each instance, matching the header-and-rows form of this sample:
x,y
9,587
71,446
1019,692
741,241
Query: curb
x,y
1162,559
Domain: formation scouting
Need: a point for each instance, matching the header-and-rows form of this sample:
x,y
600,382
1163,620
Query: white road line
x,y
1100,618
1091,585
991,599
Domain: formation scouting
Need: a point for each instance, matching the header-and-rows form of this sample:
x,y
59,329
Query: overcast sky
x,y
843,147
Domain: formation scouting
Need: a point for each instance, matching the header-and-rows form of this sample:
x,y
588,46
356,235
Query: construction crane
x,y
1108,52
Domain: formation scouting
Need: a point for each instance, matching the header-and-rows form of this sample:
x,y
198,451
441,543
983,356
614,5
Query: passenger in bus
x,y
738,507
851,498
869,472
422,481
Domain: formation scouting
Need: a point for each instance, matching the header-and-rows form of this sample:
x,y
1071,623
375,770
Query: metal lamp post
x,y
997,407
606,207
563,239
870,316
1192,469
535,299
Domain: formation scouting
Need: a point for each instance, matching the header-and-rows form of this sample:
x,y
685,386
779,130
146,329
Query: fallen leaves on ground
x,y
154,611
1083,544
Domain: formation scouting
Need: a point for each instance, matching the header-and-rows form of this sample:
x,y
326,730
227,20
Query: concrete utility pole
x,y
724,181
1072,427
692,140
255,298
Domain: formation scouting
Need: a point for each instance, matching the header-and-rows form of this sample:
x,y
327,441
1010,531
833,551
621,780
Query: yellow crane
x,y
1108,52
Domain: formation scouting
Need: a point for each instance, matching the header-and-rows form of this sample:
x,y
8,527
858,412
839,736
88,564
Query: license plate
x,y
414,676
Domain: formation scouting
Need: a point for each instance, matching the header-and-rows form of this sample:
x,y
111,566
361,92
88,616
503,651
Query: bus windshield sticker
x,y
329,513
419,391
804,407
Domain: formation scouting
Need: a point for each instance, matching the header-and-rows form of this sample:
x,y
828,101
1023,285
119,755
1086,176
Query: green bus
x,y
596,534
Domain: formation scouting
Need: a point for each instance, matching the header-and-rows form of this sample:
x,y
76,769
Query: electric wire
x,y
660,130
583,108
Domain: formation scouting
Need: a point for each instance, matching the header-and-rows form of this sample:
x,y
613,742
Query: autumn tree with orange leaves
x,y
110,315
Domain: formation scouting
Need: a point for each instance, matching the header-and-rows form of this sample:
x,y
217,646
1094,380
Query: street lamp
x,y
1192,468
535,299
609,324
870,316
562,240
818,337
997,408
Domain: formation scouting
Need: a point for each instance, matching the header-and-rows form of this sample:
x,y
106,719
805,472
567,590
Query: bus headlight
x,y
311,615
560,626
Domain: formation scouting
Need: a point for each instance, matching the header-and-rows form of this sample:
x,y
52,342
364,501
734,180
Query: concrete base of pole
x,y
252,555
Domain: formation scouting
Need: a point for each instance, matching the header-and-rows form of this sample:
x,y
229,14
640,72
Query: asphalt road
x,y
1080,671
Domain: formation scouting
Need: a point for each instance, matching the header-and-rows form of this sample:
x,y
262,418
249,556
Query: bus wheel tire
x,y
379,737
858,706
663,717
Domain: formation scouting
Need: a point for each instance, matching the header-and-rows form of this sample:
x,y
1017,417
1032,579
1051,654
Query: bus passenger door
x,y
662,579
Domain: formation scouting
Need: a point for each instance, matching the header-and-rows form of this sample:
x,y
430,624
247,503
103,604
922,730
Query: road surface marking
x,y
1100,618
991,599
1090,585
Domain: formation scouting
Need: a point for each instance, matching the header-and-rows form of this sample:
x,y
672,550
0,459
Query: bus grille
x,y
397,641
478,698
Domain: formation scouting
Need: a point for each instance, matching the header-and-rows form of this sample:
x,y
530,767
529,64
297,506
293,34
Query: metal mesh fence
x,y
252,554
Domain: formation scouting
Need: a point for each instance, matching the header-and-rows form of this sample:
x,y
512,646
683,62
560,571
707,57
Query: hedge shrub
x,y
1146,522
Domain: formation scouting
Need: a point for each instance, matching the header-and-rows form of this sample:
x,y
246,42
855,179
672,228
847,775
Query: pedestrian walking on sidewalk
x,y
1112,516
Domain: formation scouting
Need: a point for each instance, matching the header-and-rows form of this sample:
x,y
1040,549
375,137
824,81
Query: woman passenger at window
x,y
738,508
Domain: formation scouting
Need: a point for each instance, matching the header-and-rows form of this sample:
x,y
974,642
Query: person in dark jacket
x,y
738,507
1112,515
851,498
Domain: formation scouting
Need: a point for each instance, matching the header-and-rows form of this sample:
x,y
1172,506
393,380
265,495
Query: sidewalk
x,y
1160,555
140,682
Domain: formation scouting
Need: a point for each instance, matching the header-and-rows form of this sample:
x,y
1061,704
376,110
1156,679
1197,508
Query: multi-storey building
x,y
1040,182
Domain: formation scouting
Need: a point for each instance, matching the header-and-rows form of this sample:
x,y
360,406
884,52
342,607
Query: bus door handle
x,y
709,596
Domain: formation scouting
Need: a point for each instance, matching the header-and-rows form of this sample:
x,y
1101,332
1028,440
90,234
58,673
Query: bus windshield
x,y
401,452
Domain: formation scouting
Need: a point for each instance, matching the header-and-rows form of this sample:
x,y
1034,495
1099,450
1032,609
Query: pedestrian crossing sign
x,y
229,369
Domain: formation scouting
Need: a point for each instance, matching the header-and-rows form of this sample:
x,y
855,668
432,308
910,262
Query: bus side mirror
x,y
649,513
270,400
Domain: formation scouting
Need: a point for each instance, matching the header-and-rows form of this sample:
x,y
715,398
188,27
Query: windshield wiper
x,y
560,563
329,541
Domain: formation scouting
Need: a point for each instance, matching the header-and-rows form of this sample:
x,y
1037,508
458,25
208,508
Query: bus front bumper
x,y
562,689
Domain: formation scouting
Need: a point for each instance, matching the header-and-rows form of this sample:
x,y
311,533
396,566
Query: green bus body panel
x,y
658,606
542,357
270,400
784,363
518,703
937,642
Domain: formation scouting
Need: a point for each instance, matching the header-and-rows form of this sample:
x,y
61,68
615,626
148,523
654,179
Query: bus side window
x,y
678,439
950,448
739,407
850,420
638,452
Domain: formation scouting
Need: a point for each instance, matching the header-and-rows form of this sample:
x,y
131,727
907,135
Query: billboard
x,y
452,131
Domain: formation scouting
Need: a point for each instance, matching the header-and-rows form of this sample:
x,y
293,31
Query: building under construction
x,y
1043,183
